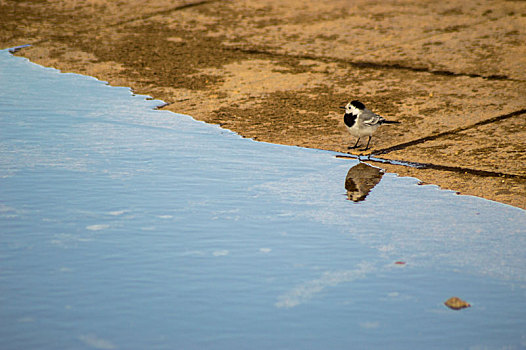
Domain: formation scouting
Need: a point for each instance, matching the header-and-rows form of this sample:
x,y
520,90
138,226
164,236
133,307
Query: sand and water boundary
x,y
453,74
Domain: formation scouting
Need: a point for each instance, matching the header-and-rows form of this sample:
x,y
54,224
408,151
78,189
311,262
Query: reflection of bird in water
x,y
360,180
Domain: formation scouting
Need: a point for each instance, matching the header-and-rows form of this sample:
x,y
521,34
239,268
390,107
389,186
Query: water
x,y
124,227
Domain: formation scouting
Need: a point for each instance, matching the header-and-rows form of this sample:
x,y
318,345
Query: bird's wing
x,y
371,119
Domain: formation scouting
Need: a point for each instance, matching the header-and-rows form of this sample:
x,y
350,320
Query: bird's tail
x,y
390,122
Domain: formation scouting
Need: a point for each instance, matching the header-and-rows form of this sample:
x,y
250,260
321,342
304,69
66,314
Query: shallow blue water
x,y
123,227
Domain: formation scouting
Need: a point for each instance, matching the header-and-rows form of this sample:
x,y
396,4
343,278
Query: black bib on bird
x,y
349,119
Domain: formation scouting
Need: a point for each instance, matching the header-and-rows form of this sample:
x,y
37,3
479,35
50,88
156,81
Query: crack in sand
x,y
163,12
138,18
367,64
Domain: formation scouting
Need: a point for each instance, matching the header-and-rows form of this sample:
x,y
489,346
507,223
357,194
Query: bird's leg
x,y
367,147
355,145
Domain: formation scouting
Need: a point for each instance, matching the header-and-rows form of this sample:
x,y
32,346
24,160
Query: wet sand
x,y
453,74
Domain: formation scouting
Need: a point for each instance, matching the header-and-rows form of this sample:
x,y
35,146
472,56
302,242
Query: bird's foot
x,y
353,147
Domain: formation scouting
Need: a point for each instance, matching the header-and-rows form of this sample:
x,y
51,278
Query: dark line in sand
x,y
453,169
371,65
138,18
447,133
163,12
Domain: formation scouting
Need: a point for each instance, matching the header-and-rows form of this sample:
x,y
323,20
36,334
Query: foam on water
x,y
126,227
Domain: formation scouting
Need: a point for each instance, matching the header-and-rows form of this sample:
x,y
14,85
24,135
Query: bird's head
x,y
353,106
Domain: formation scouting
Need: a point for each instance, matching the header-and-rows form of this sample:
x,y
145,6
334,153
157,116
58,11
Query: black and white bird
x,y
361,122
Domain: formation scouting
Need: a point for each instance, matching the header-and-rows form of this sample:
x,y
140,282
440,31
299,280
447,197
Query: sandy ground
x,y
453,73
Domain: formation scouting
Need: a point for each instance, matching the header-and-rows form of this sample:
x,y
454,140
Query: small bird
x,y
360,121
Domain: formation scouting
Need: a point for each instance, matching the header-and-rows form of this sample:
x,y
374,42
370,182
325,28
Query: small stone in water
x,y
456,303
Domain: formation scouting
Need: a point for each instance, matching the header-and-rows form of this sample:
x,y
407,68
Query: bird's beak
x,y
343,107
